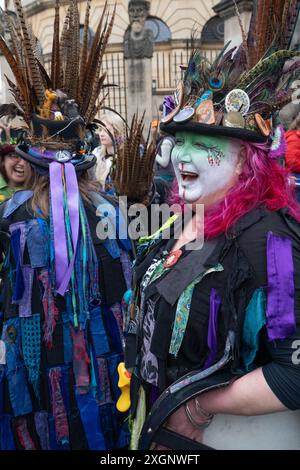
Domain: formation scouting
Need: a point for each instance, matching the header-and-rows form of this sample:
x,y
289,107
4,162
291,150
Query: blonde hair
x,y
116,124
39,184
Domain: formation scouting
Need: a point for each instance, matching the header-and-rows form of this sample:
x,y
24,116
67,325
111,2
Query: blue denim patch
x,y
18,391
16,201
6,434
36,244
65,388
19,281
16,371
98,333
89,412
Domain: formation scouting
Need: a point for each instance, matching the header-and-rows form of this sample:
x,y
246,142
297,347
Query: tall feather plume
x,y
95,86
14,67
63,48
36,78
20,100
92,64
84,50
75,51
55,60
133,172
68,77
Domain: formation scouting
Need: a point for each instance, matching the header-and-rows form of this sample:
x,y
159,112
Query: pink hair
x,y
263,183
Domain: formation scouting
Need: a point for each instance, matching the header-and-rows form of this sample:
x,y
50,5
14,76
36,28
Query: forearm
x,y
165,157
248,396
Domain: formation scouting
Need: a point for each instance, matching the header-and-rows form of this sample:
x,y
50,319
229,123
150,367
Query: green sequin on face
x,y
204,165
196,143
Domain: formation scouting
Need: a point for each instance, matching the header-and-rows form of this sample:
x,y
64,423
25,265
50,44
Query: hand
x,y
180,423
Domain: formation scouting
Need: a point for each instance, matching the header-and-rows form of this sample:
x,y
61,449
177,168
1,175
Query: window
x,y
213,31
159,28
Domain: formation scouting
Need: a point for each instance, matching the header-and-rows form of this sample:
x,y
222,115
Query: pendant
x,y
172,258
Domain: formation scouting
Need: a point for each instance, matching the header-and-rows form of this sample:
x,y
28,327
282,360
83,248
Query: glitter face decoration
x,y
204,165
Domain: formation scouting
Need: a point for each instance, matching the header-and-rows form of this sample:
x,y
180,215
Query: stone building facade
x,y
171,21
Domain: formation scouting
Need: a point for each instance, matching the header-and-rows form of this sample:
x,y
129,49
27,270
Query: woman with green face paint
x,y
227,306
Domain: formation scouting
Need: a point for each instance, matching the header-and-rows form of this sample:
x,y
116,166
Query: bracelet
x,y
202,412
193,421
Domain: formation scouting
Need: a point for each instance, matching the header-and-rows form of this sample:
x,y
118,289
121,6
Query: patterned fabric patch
x,y
183,311
149,364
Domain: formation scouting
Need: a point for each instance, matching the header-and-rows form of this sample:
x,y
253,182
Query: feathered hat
x,y
240,94
59,107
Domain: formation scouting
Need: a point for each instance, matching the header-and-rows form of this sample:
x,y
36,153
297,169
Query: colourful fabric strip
x,y
98,332
72,193
58,407
19,280
212,341
255,319
280,306
25,302
42,428
23,434
63,268
81,361
51,312
103,381
31,348
183,311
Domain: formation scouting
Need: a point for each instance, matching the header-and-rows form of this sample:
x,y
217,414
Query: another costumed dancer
x,y
231,306
61,325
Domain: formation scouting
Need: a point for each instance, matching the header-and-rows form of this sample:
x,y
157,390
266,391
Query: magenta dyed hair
x,y
263,183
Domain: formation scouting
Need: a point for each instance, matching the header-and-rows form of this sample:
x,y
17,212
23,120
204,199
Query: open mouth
x,y
19,173
188,176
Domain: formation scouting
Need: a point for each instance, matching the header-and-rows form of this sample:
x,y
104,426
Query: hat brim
x,y
207,129
82,166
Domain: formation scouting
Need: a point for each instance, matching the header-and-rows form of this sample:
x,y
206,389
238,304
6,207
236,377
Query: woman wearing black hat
x,y
65,270
215,319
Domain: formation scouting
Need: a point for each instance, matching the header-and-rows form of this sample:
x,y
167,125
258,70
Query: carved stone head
x,y
138,11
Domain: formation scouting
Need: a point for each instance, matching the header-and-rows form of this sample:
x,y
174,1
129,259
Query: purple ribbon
x,y
212,340
280,307
62,267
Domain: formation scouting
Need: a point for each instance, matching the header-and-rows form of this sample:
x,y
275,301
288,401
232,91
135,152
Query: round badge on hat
x,y
63,156
184,115
233,119
238,101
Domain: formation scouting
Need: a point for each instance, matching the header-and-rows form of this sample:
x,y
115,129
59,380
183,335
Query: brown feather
x,y
34,70
95,81
14,66
55,61
91,68
84,50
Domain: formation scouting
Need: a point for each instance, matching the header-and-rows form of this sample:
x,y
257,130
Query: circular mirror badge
x,y
184,115
237,101
63,156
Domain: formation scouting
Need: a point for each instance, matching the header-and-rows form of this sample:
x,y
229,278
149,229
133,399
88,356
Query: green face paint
x,y
204,165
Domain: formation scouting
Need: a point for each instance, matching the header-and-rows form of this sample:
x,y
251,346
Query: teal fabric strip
x,y
183,311
255,320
